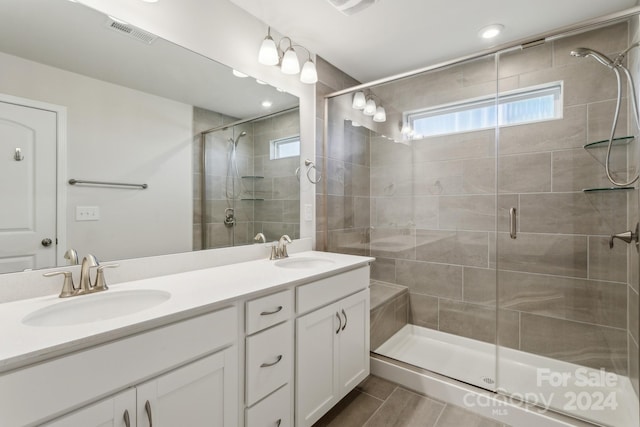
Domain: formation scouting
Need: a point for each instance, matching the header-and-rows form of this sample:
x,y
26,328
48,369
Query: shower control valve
x,y
627,237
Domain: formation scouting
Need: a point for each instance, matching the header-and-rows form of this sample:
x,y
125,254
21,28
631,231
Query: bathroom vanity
x,y
257,343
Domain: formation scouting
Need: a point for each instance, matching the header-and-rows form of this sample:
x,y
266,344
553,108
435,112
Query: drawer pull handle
x,y
127,421
147,409
340,324
345,319
278,422
266,313
266,365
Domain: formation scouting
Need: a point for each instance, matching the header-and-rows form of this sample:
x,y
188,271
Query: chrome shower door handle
x,y
513,223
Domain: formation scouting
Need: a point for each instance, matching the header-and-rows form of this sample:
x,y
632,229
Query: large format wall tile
x,y
423,310
561,255
581,343
526,173
573,213
479,285
457,146
479,176
468,320
453,247
440,280
577,169
607,263
468,212
562,297
437,178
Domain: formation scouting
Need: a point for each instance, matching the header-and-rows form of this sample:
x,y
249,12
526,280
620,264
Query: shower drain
x,y
488,380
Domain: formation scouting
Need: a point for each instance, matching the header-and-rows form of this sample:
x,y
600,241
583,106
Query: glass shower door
x,y
567,310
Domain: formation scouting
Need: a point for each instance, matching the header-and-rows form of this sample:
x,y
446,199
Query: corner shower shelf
x,y
622,140
253,177
593,190
254,200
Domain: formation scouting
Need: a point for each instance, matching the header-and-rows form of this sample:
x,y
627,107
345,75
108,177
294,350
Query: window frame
x,y
274,145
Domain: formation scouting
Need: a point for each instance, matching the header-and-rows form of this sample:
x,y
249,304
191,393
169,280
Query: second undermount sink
x,y
303,262
96,307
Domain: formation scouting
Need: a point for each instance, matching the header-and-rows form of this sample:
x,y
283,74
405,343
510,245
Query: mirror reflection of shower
x,y
615,65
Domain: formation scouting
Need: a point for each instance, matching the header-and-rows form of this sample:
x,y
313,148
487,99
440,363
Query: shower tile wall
x,y
203,120
562,292
272,182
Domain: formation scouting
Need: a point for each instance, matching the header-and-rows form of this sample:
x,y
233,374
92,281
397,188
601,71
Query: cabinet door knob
x,y
127,421
147,409
345,319
267,365
339,324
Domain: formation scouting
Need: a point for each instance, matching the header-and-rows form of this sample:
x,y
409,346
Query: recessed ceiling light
x,y
491,31
239,74
267,104
150,1
260,82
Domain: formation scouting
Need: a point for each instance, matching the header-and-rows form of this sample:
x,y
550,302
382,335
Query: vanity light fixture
x,y
369,108
239,74
355,124
359,100
380,115
260,82
270,53
491,31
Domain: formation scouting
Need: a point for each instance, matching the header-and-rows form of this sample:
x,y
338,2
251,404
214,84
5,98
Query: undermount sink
x,y
96,307
303,262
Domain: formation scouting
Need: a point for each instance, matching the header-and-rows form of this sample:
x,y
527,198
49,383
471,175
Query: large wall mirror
x,y
208,156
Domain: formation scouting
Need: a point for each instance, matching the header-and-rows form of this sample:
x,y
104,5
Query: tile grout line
x,y
440,415
379,407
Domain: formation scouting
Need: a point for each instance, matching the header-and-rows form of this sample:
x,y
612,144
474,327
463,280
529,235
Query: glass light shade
x,y
309,74
359,100
380,115
268,54
239,74
355,124
369,108
290,64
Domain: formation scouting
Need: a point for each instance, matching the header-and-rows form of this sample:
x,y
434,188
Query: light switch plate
x,y
87,213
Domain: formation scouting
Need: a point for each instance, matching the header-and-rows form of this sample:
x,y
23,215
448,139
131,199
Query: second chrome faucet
x,y
279,250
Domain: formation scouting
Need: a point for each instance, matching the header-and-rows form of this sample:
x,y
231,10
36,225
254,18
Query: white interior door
x,y
28,138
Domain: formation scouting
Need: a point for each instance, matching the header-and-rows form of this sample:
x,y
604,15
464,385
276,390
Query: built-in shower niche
x,y
249,185
484,307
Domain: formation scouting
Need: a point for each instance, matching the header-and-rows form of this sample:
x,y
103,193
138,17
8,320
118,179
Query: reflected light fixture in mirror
x,y
359,101
270,53
369,108
380,115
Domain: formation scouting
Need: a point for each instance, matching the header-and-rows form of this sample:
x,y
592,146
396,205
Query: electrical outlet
x,y
87,213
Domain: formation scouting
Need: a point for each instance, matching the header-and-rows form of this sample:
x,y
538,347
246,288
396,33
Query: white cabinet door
x,y
353,359
316,373
203,393
115,411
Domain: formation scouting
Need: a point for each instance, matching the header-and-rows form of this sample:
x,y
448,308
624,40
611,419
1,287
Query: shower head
x,y
583,52
235,142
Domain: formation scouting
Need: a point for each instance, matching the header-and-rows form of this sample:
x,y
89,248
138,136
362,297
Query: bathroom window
x,y
285,147
526,105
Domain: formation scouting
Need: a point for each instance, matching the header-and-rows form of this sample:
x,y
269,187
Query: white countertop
x,y
192,293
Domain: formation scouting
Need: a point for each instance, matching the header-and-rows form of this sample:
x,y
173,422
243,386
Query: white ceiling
x,y
76,38
395,36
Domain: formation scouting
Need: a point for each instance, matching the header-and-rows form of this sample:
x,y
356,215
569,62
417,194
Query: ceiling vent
x,y
351,7
130,31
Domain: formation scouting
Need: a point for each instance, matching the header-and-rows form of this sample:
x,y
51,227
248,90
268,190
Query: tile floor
x,y
380,403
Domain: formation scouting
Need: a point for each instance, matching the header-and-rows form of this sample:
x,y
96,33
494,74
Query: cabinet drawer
x,y
268,311
330,289
273,411
269,361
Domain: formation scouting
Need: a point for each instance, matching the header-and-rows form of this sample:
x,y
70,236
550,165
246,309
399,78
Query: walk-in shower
x,y
485,199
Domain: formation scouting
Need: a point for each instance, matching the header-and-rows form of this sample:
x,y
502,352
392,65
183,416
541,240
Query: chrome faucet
x,y
72,256
85,274
260,237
